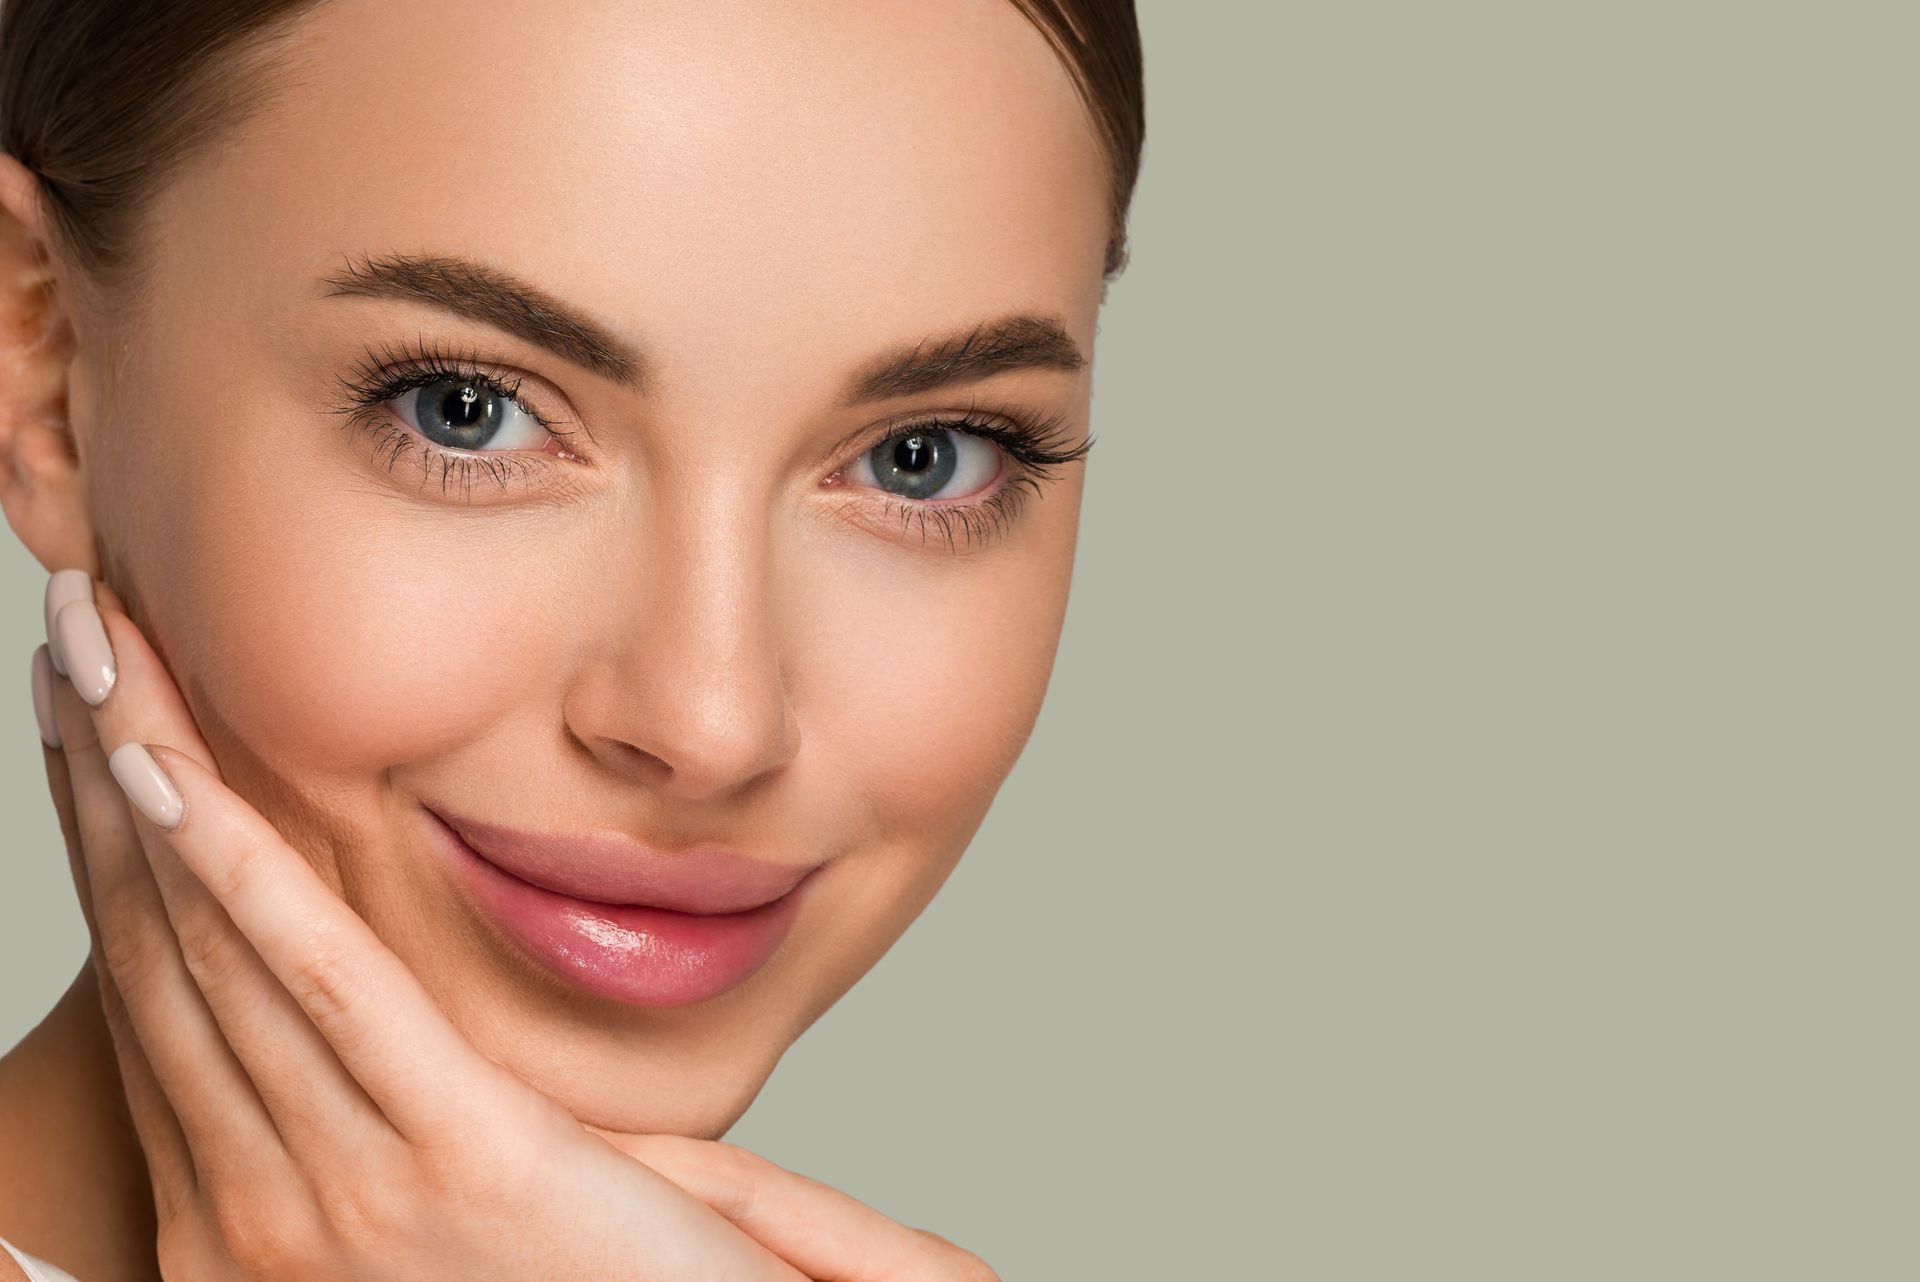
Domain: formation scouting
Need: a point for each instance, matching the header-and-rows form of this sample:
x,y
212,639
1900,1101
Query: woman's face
x,y
699,608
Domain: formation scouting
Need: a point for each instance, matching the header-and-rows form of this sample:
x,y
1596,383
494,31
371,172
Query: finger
x,y
169,1161
317,1106
220,1114
129,663
171,1171
54,757
373,1011
825,1233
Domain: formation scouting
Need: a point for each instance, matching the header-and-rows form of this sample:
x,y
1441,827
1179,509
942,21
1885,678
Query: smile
x,y
638,953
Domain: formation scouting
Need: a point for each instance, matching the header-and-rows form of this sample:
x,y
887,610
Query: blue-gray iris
x,y
468,415
921,462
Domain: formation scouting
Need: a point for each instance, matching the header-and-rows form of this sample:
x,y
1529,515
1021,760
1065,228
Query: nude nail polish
x,y
63,586
43,695
146,784
83,639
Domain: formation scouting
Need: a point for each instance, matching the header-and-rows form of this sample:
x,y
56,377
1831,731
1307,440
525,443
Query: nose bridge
x,y
688,690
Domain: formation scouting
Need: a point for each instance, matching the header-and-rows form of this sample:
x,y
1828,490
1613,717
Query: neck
x,y
73,1178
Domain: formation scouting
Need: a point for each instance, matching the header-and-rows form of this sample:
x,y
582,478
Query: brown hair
x,y
103,99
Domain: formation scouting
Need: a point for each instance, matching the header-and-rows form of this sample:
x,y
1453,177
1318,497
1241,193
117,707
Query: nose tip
x,y
700,747
691,700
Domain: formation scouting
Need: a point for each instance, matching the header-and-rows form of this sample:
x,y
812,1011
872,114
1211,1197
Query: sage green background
x,y
1471,830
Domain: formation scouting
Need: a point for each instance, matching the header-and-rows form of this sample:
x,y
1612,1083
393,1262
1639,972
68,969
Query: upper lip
x,y
612,868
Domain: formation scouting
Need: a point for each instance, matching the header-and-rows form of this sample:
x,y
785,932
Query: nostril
x,y
640,758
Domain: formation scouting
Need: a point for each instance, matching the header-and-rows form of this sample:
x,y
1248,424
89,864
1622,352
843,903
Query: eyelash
x,y
1036,445
391,372
1032,443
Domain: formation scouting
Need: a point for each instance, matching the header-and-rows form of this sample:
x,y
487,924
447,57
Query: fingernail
x,y
146,784
64,586
83,639
43,695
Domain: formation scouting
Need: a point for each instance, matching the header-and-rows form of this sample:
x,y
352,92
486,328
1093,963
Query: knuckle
x,y
229,875
206,954
262,1234
442,1165
473,1168
79,737
112,1004
170,1202
360,1208
739,1171
453,1158
133,956
183,1248
328,986
445,1176
118,900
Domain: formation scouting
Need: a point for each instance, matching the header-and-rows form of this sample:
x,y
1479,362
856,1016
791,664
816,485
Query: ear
x,y
41,478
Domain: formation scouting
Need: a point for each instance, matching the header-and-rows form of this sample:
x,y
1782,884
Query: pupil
x,y
462,409
917,466
914,455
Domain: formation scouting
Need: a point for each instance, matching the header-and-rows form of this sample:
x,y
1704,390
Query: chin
x,y
690,1071
657,1096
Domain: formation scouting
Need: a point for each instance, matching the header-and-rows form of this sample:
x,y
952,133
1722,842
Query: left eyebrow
x,y
1012,342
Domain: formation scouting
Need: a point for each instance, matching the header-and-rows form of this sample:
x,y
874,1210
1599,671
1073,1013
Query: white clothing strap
x,y
38,1270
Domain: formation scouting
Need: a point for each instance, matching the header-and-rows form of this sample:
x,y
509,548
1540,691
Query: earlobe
x,y
40,469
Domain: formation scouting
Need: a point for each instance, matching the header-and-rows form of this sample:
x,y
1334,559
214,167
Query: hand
x,y
272,1050
828,1235
306,1109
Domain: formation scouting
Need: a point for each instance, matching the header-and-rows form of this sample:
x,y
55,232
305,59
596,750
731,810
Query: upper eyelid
x,y
513,387
1000,428
391,362
877,434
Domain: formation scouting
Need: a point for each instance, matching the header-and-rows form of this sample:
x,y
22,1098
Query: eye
x,y
929,462
469,414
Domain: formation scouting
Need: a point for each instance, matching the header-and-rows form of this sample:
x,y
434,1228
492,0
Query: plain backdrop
x,y
1471,832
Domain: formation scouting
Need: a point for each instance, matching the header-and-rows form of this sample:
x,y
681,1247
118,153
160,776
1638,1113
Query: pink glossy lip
x,y
610,868
619,919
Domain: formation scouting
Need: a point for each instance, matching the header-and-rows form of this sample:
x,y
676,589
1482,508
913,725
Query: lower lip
x,y
637,955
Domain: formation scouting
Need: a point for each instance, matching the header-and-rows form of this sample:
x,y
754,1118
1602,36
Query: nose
x,y
682,688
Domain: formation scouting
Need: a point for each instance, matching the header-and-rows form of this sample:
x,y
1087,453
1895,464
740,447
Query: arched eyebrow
x,y
493,296
991,347
487,294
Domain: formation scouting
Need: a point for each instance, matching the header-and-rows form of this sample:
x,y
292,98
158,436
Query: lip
x,y
619,919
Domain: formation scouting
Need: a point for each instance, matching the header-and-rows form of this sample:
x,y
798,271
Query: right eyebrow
x,y
488,294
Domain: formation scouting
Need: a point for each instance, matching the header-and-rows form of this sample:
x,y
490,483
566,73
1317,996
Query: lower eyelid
x,y
393,442
975,523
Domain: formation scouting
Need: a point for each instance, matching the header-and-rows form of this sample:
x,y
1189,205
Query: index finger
x,y
371,1008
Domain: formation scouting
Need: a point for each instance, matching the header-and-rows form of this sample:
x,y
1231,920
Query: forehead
x,y
696,174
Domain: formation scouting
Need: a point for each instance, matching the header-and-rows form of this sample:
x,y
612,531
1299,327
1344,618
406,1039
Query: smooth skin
x,y
305,1108
713,628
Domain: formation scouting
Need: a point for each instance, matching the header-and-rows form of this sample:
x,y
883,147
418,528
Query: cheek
x,y
339,640
932,698
340,629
